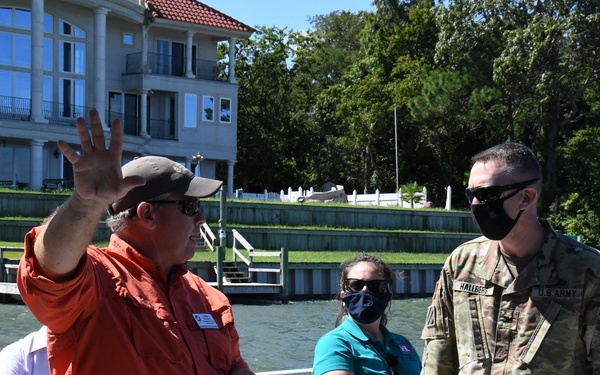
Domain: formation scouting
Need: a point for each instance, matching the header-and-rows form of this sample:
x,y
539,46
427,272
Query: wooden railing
x,y
207,236
8,270
239,240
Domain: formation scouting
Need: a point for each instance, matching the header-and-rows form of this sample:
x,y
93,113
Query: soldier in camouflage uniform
x,y
521,299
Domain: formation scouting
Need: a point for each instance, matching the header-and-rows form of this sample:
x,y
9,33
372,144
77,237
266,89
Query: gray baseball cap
x,y
162,176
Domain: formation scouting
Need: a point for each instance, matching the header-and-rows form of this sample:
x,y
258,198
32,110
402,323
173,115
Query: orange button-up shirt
x,y
119,315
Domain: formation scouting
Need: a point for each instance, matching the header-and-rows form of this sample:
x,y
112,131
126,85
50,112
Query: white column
x,y
37,61
143,111
100,63
231,77
36,160
230,165
188,55
144,62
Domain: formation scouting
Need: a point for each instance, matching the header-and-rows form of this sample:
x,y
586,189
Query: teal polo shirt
x,y
347,347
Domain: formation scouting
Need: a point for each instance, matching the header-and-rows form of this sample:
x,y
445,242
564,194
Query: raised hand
x,y
97,170
61,243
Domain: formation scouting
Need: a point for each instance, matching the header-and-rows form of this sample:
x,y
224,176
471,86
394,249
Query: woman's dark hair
x,y
388,274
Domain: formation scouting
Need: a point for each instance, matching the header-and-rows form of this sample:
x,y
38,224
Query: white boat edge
x,y
300,371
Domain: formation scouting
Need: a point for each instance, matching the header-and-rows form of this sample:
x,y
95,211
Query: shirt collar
x,y
121,248
354,329
545,262
40,339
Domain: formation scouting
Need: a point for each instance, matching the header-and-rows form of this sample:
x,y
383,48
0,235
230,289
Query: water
x,y
272,337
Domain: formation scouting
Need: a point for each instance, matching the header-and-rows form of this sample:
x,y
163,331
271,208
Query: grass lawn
x,y
295,256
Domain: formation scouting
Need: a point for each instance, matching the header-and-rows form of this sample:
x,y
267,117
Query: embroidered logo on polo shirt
x,y
405,349
463,286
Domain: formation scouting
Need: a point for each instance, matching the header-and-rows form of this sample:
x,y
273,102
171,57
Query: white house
x,y
152,64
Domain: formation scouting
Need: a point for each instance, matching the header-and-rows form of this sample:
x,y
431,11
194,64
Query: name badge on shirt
x,y
463,286
205,321
556,292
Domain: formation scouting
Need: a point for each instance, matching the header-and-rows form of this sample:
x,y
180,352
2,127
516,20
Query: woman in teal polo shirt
x,y
361,344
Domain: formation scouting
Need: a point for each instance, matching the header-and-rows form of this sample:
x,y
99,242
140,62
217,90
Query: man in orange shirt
x,y
132,308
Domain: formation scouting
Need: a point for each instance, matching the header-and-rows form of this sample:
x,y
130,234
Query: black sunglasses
x,y
492,193
375,286
189,207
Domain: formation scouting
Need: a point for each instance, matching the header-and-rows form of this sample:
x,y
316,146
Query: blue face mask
x,y
365,306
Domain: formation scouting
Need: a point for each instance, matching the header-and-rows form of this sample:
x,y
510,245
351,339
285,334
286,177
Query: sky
x,y
284,13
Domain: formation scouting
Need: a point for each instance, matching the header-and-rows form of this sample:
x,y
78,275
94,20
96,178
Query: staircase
x,y
232,273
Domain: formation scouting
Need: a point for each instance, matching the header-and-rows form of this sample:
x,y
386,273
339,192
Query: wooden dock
x,y
8,275
9,289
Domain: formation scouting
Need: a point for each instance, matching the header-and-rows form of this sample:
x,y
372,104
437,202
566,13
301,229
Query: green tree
x,y
265,137
395,42
323,57
541,57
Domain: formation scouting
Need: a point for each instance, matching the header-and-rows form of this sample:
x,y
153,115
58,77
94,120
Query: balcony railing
x,y
15,108
20,109
166,65
162,129
65,114
61,113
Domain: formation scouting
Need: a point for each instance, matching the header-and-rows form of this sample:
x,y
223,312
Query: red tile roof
x,y
193,11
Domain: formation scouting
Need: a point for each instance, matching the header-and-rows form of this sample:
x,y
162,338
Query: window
x,y
47,54
15,84
47,96
6,16
115,106
47,23
68,29
22,85
23,19
6,78
190,111
16,92
6,50
132,114
125,107
72,57
170,57
177,59
225,110
15,50
162,57
23,50
71,97
128,39
208,108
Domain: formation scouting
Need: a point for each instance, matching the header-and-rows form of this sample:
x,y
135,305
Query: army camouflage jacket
x,y
544,321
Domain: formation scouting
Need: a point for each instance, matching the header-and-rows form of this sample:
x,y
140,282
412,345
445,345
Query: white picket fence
x,y
377,199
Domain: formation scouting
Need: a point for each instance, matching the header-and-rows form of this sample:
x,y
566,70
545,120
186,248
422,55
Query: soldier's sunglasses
x,y
375,286
492,193
189,207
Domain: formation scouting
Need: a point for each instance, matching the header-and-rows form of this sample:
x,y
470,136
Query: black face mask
x,y
492,219
365,306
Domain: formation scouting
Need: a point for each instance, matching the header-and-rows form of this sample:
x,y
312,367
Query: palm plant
x,y
412,193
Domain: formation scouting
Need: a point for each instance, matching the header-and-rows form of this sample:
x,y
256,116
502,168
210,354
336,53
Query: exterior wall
x,y
216,141
306,281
